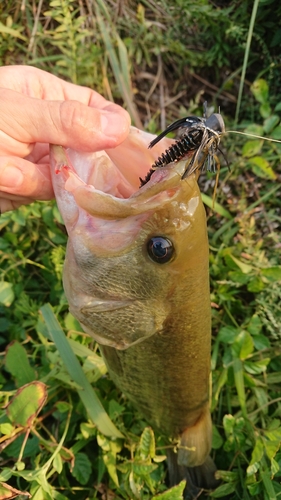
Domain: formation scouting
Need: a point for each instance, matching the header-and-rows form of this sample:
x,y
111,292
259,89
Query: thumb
x,y
67,123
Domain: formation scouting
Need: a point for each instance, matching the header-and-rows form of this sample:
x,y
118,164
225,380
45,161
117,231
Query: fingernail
x,y
11,177
112,124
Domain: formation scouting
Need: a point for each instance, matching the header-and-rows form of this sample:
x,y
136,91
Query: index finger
x,y
25,120
34,82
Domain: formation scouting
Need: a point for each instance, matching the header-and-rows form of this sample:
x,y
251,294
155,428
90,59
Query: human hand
x,y
38,108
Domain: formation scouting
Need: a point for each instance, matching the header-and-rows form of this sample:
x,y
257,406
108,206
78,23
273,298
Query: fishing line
x,y
252,135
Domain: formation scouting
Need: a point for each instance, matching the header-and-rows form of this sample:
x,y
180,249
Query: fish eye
x,y
160,249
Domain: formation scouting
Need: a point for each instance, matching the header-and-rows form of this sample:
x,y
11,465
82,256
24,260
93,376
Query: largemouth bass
x,y
136,276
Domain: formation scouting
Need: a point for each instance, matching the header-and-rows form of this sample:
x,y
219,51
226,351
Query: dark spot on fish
x,y
160,249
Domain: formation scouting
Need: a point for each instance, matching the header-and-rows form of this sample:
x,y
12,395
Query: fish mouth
x,y
106,184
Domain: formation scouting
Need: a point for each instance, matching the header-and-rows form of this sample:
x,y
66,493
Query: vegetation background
x,y
161,60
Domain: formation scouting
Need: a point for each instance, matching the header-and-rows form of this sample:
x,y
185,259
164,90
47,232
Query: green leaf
x,y
270,123
7,295
249,381
245,268
262,399
278,107
254,488
6,428
228,424
63,406
239,383
255,284
5,474
81,350
217,440
16,362
257,452
110,463
276,133
27,403
260,90
88,396
274,424
261,168
271,448
243,345
82,468
72,323
252,148
239,277
42,493
227,334
256,367
254,128
108,444
58,496
274,378
265,110
227,476
146,448
12,32
274,467
272,273
57,463
175,493
267,482
142,469
220,383
223,490
94,365
110,449
255,325
274,435
253,468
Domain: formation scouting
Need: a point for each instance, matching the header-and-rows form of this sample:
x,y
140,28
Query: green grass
x,y
54,449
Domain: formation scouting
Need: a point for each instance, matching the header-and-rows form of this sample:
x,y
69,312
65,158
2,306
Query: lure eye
x,y
160,249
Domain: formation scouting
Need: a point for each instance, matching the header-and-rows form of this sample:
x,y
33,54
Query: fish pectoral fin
x,y
121,323
100,305
196,441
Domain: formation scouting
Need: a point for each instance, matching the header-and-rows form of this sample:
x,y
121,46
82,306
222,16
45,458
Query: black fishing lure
x,y
202,136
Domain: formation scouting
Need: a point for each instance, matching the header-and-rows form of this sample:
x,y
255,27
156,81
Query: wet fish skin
x,y
152,320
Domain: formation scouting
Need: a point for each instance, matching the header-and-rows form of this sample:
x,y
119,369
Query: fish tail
x,y
196,441
199,478
192,461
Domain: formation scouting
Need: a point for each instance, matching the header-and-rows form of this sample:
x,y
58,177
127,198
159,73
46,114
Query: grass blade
x,y
263,198
87,394
246,57
267,482
215,206
239,383
120,67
